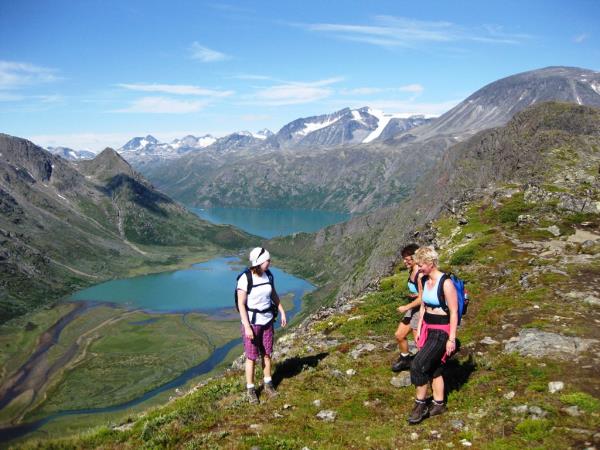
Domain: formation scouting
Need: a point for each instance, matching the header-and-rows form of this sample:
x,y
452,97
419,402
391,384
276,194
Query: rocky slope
x,y
300,167
66,225
359,250
526,373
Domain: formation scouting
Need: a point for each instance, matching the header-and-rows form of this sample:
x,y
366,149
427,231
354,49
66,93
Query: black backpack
x,y
272,308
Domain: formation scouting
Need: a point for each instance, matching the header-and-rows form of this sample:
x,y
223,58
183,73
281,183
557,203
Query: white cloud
x,y
389,31
255,117
414,88
581,38
205,54
14,75
163,105
293,93
176,89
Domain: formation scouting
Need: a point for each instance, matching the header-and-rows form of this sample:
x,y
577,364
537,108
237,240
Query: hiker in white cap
x,y
258,304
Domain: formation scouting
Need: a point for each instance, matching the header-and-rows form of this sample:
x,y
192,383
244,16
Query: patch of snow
x,y
205,141
60,196
356,116
596,87
578,100
382,121
314,126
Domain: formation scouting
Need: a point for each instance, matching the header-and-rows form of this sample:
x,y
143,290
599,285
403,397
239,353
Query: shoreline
x,y
212,362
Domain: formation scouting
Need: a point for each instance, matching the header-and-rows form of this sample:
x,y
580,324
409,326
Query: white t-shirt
x,y
259,298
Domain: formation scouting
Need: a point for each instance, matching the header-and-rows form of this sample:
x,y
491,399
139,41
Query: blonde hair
x,y
426,255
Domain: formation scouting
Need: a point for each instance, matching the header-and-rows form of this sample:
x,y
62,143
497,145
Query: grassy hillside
x,y
531,322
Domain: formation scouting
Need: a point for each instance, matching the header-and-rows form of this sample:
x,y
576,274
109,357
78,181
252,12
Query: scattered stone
x,y
389,346
317,403
361,348
124,427
509,395
555,386
436,434
414,436
463,221
536,306
488,341
457,424
254,426
337,373
350,372
523,280
401,380
287,406
526,219
537,343
277,415
327,415
469,235
537,411
350,319
591,300
573,411
554,230
465,443
305,448
521,409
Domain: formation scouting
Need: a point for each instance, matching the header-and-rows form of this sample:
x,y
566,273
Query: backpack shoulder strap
x,y
248,274
440,293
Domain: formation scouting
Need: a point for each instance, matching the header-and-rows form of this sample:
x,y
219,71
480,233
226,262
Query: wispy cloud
x,y
205,54
15,75
163,105
581,38
292,93
415,89
389,31
176,89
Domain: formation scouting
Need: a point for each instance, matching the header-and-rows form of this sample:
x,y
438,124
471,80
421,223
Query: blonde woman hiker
x,y
436,335
258,304
410,321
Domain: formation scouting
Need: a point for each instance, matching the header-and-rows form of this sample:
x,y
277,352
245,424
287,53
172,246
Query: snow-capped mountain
x,y
192,142
139,143
70,154
345,127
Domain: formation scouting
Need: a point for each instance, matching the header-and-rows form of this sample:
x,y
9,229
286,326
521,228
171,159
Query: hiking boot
x,y
252,397
418,413
402,363
437,408
270,390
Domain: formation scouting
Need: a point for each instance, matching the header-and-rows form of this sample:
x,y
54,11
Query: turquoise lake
x,y
205,286
269,223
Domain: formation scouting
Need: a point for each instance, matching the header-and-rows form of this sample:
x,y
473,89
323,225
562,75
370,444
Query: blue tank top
x,y
412,285
430,296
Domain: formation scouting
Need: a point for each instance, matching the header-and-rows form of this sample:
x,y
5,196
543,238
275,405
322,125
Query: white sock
x,y
404,354
267,379
250,386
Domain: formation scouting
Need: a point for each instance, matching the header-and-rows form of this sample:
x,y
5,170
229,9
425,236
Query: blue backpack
x,y
462,296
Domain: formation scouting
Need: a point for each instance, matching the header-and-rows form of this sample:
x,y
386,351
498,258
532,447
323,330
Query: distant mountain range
x,y
70,154
354,160
344,127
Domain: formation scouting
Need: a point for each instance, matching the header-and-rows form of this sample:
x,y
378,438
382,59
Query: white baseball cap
x,y
258,255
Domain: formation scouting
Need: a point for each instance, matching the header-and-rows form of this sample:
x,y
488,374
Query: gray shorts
x,y
412,317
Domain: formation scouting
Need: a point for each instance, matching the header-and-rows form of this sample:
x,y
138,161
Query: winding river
x,y
205,287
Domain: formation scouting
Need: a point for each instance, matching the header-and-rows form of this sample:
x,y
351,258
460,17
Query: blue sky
x,y
91,74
